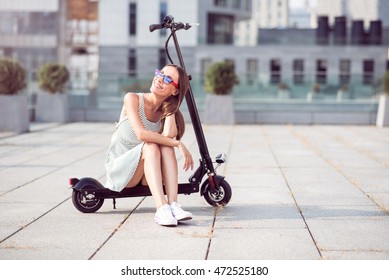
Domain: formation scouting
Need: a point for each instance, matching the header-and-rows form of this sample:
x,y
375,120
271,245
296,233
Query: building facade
x,y
127,52
32,31
127,46
42,31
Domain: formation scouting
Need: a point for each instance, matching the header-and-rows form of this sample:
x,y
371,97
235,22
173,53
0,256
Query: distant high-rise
x,y
265,14
366,10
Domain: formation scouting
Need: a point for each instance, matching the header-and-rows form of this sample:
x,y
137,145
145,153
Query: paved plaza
x,y
299,192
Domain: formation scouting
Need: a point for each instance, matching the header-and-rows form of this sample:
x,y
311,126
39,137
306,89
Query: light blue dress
x,y
125,150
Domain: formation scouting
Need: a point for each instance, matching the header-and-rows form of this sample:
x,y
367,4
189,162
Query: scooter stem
x,y
194,116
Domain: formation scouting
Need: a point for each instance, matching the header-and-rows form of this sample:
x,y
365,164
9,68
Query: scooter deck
x,y
184,188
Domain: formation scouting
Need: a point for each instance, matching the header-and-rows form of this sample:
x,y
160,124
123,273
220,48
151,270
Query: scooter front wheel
x,y
86,202
220,196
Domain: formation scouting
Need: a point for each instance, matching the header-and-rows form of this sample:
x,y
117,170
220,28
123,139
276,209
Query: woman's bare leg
x,y
152,171
169,172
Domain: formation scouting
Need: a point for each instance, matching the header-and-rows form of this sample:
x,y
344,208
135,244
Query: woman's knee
x,y
151,150
167,151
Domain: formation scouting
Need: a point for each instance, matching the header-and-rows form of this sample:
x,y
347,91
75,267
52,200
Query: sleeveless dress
x,y
125,149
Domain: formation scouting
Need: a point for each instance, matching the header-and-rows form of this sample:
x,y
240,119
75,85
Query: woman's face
x,y
165,81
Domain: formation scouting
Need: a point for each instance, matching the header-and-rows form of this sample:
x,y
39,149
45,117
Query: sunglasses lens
x,y
167,80
158,74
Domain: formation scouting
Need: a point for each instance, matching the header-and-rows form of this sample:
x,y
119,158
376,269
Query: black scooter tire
x,y
90,207
222,197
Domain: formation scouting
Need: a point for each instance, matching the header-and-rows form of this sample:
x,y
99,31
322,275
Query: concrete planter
x,y
219,109
383,111
14,113
52,108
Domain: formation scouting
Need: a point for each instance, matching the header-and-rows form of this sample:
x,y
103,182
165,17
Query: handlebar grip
x,y
153,27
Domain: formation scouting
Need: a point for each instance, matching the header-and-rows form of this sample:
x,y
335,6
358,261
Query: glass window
x,y
368,71
220,29
132,19
321,71
132,62
298,71
275,71
162,15
220,3
251,70
162,58
236,4
344,71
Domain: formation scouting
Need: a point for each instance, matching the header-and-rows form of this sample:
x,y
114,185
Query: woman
x,y
142,147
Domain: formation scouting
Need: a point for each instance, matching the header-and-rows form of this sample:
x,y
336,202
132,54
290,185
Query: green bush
x,y
12,76
385,83
221,78
52,77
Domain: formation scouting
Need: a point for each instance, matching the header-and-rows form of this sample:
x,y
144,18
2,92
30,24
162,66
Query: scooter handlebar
x,y
153,27
177,25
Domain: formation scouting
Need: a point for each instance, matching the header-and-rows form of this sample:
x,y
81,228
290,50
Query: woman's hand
x,y
186,155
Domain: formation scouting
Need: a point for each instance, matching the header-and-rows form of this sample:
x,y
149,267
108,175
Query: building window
x,y
251,70
220,29
298,71
275,71
132,63
236,4
220,3
368,71
248,3
132,19
344,71
162,58
162,15
321,71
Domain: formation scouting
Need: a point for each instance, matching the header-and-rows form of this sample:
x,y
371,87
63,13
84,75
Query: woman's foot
x,y
179,213
164,216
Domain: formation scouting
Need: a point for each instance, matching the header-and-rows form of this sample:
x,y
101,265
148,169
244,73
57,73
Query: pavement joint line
x,y
52,171
216,210
308,143
34,220
359,150
291,192
37,130
117,228
49,153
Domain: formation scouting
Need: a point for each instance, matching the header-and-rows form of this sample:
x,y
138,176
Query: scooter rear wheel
x,y
85,203
221,196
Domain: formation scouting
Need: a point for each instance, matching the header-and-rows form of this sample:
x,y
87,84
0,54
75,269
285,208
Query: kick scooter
x,y
89,194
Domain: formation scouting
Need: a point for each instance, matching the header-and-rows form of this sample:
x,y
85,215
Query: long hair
x,y
172,104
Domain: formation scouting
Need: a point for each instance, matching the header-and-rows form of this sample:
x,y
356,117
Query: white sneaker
x,y
179,213
164,216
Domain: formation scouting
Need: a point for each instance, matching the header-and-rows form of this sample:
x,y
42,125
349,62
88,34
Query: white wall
x,y
113,22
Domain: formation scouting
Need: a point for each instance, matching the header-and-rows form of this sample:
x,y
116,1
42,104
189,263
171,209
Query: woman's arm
x,y
131,106
170,126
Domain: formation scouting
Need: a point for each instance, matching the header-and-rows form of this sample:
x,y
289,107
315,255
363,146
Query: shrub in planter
x,y
52,107
13,107
52,77
12,77
221,78
219,82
